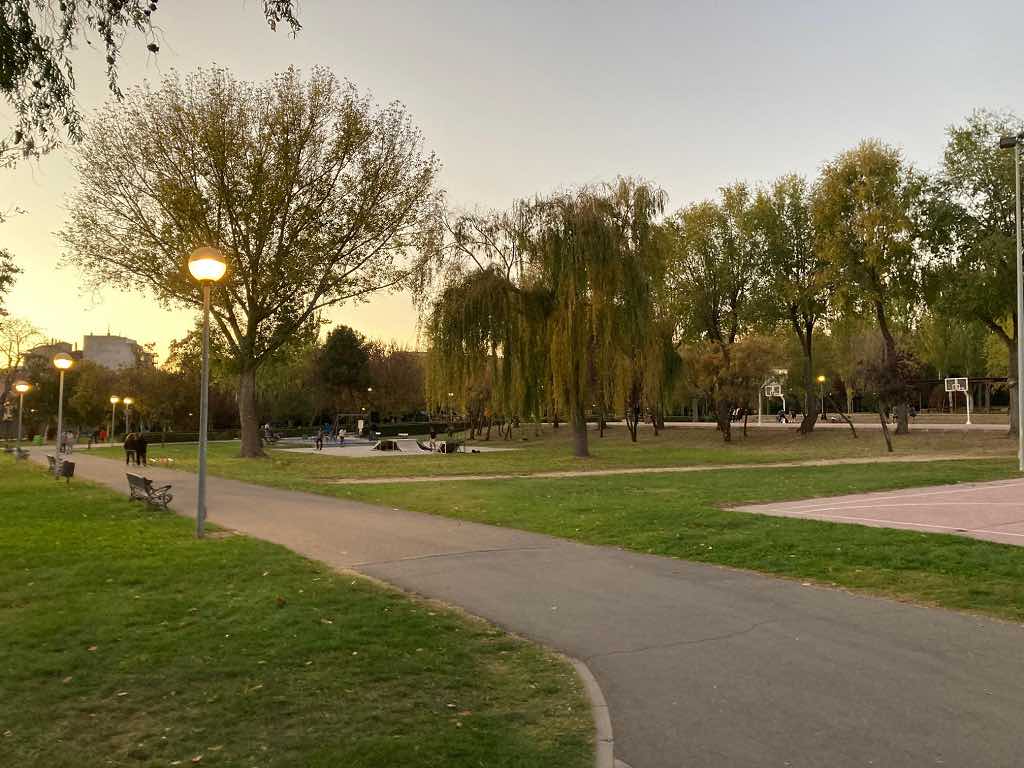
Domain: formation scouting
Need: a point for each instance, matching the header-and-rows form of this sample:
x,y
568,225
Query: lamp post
x,y
114,400
61,361
127,404
21,387
821,393
207,265
1014,143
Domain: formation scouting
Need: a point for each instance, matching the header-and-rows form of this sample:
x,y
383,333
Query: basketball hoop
x,y
960,384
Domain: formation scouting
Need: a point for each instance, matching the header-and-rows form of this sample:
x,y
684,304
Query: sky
x,y
528,97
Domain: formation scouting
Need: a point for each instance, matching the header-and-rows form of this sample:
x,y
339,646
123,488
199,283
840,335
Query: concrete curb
x,y
604,753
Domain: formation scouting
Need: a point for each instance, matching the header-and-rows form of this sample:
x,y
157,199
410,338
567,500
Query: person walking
x,y
319,443
129,447
140,449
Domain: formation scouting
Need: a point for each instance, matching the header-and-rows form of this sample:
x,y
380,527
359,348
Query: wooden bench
x,y
142,488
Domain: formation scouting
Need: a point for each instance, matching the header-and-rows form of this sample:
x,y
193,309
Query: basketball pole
x,y
1020,306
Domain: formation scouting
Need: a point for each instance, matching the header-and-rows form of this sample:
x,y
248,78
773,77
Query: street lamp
x,y
21,387
207,265
1014,143
127,404
61,361
821,391
114,400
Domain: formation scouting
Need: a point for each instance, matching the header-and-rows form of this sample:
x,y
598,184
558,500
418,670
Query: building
x,y
48,350
115,352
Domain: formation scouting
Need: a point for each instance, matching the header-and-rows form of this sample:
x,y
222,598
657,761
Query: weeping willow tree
x,y
480,309
546,299
626,308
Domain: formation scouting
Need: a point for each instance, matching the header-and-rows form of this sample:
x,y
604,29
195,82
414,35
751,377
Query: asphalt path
x,y
701,665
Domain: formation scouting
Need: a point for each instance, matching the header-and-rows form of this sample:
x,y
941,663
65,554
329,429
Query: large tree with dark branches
x,y
316,195
37,77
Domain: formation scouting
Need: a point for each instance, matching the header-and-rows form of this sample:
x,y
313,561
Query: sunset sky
x,y
525,97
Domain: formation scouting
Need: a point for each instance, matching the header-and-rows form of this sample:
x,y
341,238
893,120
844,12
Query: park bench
x,y
142,488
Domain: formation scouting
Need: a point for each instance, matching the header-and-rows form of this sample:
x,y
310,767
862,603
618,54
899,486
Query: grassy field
x,y
683,516
125,642
552,451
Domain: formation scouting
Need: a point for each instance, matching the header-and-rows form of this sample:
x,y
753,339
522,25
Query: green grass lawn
x,y
126,642
552,451
682,515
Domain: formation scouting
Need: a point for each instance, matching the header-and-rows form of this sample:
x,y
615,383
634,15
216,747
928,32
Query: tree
x,y
88,400
37,78
399,387
968,225
17,336
863,210
9,272
628,331
716,275
316,195
799,284
342,366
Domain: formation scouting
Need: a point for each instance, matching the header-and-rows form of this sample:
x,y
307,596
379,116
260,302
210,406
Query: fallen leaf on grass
x,y
91,648
67,679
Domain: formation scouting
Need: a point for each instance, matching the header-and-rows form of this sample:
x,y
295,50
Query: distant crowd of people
x,y
327,434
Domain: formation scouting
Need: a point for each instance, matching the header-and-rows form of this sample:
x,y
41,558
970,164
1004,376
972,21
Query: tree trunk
x,y
805,335
810,400
844,417
885,427
579,432
902,419
632,421
724,411
248,415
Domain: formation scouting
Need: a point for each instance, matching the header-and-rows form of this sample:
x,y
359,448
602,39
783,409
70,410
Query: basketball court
x,y
991,511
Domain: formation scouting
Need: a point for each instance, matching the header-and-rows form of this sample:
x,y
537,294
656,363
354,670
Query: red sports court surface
x,y
991,511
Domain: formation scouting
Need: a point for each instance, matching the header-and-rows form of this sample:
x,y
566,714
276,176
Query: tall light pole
x,y
207,265
821,392
1014,142
61,361
21,387
127,404
114,400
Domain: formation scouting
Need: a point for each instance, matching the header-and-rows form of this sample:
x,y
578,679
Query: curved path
x,y
701,666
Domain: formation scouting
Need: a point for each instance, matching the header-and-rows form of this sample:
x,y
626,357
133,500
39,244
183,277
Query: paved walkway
x,y
563,473
702,666
991,511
